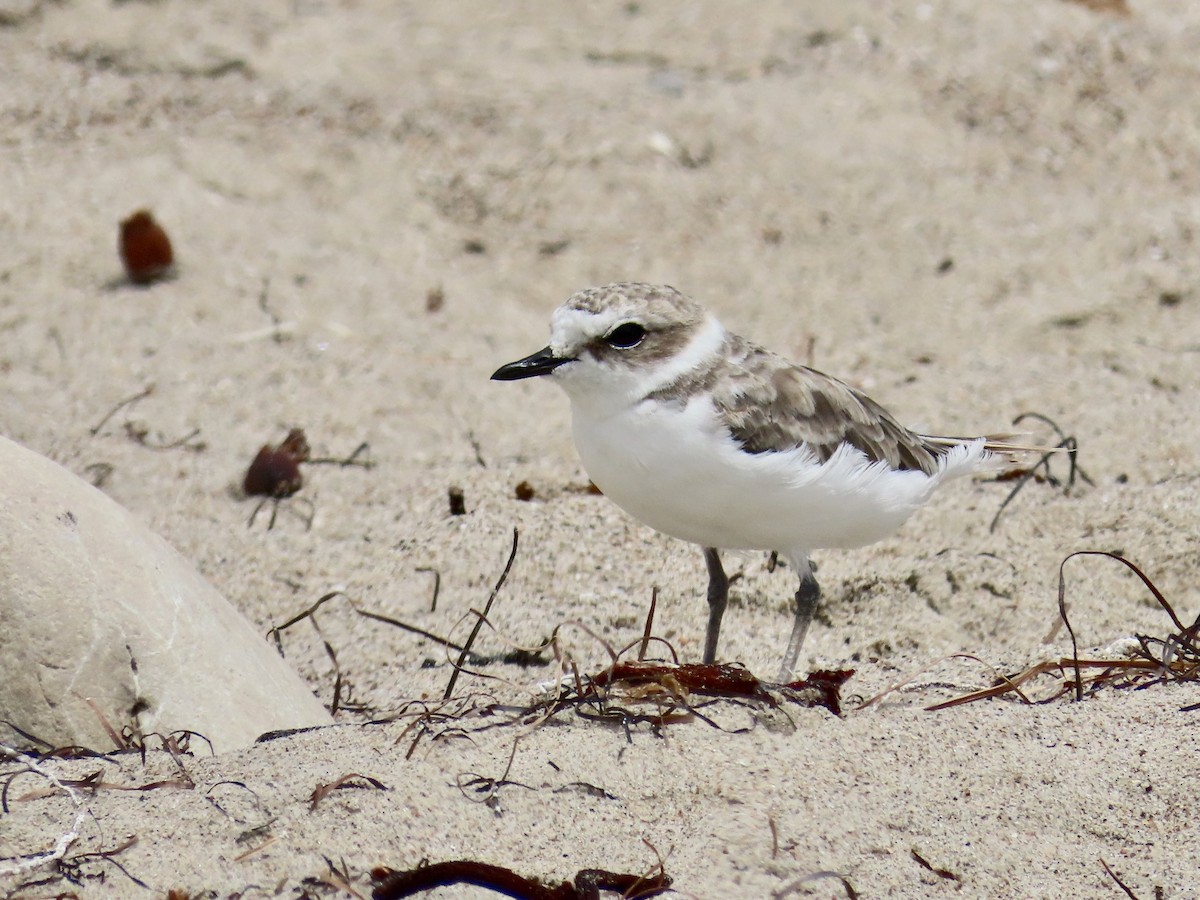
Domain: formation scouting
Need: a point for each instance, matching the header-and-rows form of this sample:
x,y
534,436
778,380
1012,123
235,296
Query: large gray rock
x,y
99,617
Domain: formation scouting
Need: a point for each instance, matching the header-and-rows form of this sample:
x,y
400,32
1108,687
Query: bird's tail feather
x,y
1013,447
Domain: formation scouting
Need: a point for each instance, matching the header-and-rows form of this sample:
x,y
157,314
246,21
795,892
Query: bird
x,y
710,438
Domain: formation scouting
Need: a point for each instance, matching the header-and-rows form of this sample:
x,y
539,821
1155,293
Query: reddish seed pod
x,y
296,443
275,471
145,248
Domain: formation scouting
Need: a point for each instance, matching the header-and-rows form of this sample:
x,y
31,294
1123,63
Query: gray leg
x,y
806,604
718,594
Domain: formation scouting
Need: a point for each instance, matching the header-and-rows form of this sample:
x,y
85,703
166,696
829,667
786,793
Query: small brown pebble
x,y
525,491
458,502
275,471
145,248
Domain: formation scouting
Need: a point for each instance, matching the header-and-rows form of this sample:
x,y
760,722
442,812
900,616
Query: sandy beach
x,y
970,211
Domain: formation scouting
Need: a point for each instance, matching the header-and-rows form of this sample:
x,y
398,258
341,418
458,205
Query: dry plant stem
x,y
487,608
801,884
66,839
904,682
256,849
275,502
1064,440
928,866
279,330
1012,683
216,803
1184,631
140,435
95,782
352,460
119,743
1150,585
71,868
1066,443
278,630
478,451
1122,885
128,401
1180,660
321,791
1062,611
437,584
649,624
339,879
642,640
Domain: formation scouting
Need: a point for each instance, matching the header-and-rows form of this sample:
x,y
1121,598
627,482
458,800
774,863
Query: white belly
x,y
675,469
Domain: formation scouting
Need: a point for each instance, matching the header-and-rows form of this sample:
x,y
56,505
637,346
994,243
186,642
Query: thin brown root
x,y
487,608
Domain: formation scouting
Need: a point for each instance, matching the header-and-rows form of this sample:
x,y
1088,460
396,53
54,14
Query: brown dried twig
x,y
140,434
122,404
94,783
72,868
349,780
363,450
365,613
437,584
648,630
929,867
587,884
487,608
1156,660
276,633
1122,885
801,884
1067,443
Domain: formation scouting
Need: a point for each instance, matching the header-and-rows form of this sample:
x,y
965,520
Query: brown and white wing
x,y
771,405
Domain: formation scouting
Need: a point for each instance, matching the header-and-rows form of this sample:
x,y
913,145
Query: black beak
x,y
541,363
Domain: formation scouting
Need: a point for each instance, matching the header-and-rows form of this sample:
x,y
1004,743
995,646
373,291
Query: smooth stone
x,y
102,620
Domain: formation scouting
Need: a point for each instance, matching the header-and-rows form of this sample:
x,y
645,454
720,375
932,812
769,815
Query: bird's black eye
x,y
625,336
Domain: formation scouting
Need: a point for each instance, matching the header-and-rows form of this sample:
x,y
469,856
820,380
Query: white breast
x,y
675,468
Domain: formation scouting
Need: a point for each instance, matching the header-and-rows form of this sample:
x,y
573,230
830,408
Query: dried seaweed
x,y
1066,443
339,701
349,780
586,885
1155,661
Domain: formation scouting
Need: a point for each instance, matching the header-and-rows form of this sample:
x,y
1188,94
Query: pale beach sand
x,y
969,210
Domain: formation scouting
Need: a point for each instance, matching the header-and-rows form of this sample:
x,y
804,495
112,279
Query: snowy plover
x,y
708,437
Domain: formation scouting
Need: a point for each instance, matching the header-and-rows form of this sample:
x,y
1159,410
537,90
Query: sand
x,y
969,210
